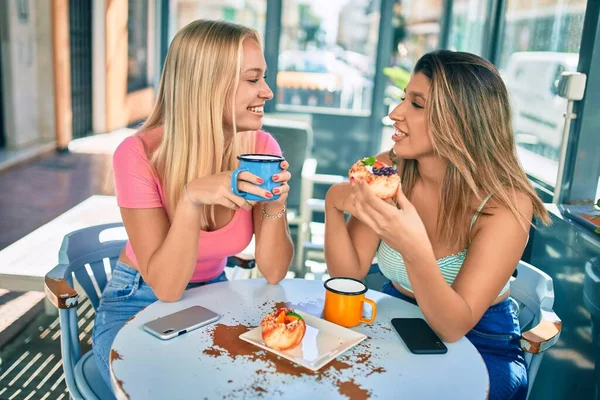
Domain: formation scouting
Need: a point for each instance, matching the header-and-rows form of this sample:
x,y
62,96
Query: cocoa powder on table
x,y
226,342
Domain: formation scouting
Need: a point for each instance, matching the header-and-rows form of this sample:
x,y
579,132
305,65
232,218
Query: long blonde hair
x,y
470,125
197,89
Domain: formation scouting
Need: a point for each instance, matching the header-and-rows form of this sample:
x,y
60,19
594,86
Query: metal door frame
x,y
2,135
81,66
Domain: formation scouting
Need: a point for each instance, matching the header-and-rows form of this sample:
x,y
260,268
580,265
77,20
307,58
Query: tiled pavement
x,y
33,194
31,363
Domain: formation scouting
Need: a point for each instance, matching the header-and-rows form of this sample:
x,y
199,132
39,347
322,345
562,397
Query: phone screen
x,y
418,336
180,322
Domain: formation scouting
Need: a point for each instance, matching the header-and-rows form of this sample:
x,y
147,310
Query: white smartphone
x,y
178,323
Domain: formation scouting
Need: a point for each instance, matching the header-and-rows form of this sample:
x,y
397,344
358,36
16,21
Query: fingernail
x,y
275,178
268,195
276,191
259,181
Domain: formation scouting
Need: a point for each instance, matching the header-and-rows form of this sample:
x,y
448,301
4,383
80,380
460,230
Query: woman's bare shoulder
x,y
499,216
521,201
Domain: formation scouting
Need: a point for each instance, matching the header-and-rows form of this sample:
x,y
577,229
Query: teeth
x,y
256,109
398,133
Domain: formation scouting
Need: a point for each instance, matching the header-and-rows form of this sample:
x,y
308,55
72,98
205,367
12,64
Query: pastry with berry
x,y
381,178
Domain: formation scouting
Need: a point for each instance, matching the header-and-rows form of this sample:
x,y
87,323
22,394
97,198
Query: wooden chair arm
x,y
58,291
544,335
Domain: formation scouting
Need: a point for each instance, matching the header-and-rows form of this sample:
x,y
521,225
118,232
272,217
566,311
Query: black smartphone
x,y
418,336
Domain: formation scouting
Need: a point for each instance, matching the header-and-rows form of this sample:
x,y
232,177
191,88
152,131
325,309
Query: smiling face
x,y
411,131
252,91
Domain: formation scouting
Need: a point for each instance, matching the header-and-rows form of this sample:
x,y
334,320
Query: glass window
x,y
327,56
467,25
137,45
541,40
416,30
250,13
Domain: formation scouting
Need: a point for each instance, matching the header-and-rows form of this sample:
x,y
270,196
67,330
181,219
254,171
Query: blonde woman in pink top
x,y
173,179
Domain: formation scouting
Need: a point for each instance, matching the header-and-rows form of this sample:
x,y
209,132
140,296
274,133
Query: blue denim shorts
x,y
125,295
497,338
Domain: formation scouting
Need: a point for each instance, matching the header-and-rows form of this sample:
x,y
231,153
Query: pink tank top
x,y
137,186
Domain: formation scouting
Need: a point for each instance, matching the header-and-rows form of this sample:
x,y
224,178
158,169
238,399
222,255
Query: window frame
x,y
581,169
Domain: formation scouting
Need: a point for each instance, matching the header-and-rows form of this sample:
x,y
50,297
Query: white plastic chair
x,y
533,291
308,230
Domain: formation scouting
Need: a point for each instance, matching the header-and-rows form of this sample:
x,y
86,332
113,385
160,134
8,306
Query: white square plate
x,y
323,341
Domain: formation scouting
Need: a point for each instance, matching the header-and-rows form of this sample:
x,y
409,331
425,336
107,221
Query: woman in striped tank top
x,y
455,232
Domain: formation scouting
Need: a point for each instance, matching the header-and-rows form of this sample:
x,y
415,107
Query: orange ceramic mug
x,y
344,298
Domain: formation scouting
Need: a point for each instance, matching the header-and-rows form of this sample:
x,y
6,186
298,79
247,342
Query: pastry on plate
x,y
283,329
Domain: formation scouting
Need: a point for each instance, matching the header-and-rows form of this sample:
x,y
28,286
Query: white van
x,y
532,78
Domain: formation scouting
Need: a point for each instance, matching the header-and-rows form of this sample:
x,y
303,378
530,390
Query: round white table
x,y
213,363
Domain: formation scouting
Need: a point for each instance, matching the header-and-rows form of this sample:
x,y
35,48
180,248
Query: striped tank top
x,y
392,264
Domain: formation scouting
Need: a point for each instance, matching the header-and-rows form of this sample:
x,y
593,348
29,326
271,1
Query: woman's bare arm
x,y
166,253
349,247
497,245
274,247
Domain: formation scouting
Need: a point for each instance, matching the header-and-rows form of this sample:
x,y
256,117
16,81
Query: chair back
x,y
533,291
91,254
296,140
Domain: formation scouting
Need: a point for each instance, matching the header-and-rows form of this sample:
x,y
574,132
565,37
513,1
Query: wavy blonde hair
x,y
197,90
470,125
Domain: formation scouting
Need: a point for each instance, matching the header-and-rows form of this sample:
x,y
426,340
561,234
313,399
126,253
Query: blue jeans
x,y
497,338
125,295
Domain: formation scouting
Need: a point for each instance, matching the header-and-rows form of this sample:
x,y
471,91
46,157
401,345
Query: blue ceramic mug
x,y
263,166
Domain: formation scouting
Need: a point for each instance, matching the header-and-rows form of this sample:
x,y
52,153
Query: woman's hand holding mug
x,y
261,177
271,170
